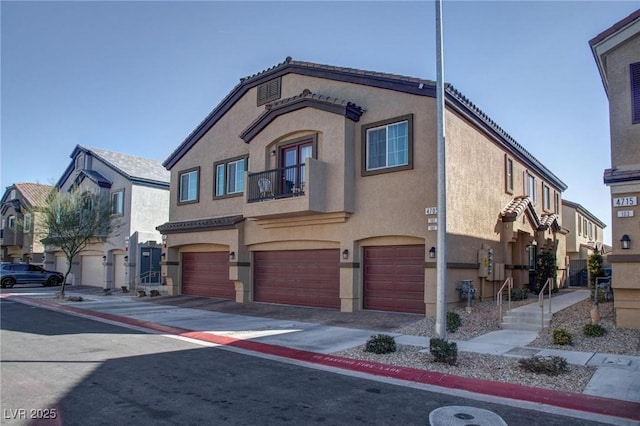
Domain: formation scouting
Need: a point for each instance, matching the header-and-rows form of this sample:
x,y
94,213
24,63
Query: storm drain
x,y
464,416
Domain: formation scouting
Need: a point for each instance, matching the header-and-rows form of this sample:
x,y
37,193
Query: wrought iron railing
x,y
508,285
277,183
547,285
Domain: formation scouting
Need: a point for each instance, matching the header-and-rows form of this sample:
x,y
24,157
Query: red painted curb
x,y
567,400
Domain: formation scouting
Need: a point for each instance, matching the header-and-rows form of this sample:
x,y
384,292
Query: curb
x,y
566,400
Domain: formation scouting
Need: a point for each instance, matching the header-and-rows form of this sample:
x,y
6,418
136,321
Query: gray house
x,y
139,192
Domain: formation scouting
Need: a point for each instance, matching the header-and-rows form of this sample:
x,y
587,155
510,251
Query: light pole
x,y
441,238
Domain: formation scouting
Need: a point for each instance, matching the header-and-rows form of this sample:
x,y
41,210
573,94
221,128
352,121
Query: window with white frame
x,y
229,177
387,145
530,187
11,221
556,202
579,225
188,191
590,230
117,203
28,220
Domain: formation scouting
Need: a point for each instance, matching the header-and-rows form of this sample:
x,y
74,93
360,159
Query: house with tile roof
x,y
19,231
616,51
139,192
315,185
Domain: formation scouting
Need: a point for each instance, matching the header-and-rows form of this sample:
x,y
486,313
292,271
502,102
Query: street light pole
x,y
441,238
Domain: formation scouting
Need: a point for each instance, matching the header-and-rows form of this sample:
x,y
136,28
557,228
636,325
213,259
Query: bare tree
x,y
71,220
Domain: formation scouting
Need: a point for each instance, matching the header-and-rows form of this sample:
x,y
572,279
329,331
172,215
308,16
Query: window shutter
x,y
635,92
269,91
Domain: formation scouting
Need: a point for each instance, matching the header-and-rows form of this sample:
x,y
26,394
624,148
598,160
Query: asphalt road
x,y
77,371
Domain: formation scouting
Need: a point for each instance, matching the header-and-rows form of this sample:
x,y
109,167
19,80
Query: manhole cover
x,y
455,415
616,361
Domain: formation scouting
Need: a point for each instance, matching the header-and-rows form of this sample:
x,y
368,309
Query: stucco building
x,y
617,54
315,185
20,231
138,189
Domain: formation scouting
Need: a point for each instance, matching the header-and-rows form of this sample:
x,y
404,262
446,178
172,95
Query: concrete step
x,y
521,327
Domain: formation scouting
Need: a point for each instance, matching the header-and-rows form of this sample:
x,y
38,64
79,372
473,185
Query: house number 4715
x,y
625,201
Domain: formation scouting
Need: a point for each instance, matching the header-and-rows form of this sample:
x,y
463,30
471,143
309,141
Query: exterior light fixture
x,y
432,253
625,242
104,258
232,255
345,254
164,255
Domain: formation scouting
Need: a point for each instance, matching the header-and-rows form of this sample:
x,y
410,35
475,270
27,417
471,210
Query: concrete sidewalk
x,y
614,389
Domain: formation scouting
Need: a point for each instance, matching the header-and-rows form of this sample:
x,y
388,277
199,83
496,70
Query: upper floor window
x,y
590,230
579,225
28,221
530,187
634,70
117,203
188,191
11,222
388,145
229,178
12,194
508,174
546,197
556,202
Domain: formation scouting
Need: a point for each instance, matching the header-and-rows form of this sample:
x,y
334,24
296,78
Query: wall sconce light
x,y
126,258
163,255
104,258
164,240
232,255
273,152
625,242
432,253
345,254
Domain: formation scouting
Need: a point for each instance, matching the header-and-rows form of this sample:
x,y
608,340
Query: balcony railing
x,y
277,183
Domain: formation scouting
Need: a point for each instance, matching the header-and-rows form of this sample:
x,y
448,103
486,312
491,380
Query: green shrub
x,y
549,365
562,337
593,330
519,294
380,344
453,321
444,351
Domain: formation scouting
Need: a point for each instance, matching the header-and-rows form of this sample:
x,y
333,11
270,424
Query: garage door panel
x,y
394,278
207,274
92,270
298,277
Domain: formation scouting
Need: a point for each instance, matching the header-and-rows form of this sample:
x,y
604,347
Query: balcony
x,y
288,191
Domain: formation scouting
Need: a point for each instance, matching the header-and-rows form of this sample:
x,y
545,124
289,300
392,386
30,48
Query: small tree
x,y
546,268
594,266
74,219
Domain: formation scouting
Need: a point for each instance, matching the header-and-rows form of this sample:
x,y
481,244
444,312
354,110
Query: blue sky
x,y
138,77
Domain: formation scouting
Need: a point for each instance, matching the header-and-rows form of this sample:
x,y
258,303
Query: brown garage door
x,y
207,274
298,277
394,279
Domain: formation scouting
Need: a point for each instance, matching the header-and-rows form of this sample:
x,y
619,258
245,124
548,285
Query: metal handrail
x,y
509,284
147,276
548,283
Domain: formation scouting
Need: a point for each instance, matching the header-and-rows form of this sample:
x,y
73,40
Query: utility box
x,y
485,262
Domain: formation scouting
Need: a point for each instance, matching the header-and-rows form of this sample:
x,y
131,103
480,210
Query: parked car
x,y
24,273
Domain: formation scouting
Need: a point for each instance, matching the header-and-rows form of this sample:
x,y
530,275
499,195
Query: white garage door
x,y
61,266
92,271
119,277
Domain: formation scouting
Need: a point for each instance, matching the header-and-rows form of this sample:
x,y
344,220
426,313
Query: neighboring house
x,y
315,185
586,231
584,238
617,54
139,192
20,231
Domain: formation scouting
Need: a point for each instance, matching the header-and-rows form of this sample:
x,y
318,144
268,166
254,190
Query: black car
x,y
24,273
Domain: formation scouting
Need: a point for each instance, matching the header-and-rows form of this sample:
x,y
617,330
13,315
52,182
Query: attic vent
x,y
269,91
635,91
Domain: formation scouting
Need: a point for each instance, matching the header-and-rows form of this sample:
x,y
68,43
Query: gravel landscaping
x,y
483,318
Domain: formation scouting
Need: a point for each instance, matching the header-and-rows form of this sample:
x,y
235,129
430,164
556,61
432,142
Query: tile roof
x,y
303,100
412,85
217,223
131,166
34,193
